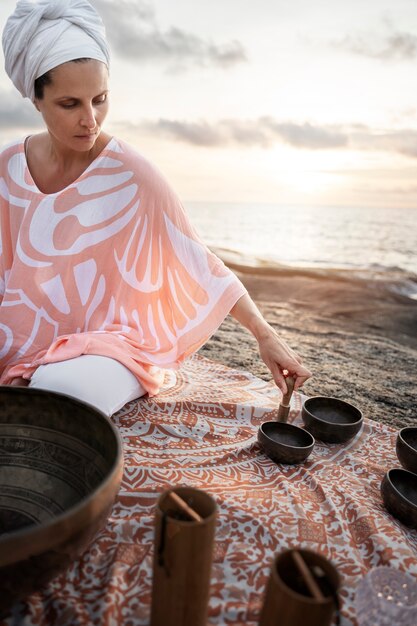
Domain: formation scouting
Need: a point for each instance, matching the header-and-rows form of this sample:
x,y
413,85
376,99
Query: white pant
x,y
98,380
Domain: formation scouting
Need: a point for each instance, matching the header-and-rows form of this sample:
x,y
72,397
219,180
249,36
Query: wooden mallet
x,y
284,407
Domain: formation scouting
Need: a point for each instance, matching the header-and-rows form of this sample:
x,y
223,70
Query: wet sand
x,y
359,339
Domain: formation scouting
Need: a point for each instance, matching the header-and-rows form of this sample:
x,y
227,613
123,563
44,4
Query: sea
x,y
370,244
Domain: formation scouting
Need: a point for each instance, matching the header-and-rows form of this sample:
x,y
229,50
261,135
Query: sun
x,y
306,174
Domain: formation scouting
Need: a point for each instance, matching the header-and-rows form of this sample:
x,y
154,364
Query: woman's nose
x,y
88,119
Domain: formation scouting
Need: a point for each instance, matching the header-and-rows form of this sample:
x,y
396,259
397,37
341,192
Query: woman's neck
x,y
53,166
63,158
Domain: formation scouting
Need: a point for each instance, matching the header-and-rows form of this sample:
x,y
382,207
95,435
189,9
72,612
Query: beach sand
x,y
360,340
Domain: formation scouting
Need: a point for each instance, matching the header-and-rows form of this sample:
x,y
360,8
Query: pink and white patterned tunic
x,y
108,266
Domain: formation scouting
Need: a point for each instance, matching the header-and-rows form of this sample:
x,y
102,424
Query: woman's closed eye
x,y
71,104
101,100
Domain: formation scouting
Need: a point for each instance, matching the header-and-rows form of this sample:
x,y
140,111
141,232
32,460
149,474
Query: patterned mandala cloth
x,y
202,432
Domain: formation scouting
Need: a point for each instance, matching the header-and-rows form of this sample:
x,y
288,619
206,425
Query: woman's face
x,y
74,106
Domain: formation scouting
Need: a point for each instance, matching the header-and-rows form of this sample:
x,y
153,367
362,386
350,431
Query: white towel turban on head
x,y
42,34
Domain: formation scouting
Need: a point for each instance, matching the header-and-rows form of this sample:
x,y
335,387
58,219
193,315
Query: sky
x,y
288,102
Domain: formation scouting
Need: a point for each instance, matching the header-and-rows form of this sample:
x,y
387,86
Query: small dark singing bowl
x,y
406,448
61,466
399,494
331,419
285,443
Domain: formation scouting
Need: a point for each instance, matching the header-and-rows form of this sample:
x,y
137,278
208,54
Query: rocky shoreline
x,y
360,341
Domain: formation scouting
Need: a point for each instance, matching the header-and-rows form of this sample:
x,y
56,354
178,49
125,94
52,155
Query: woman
x,y
104,282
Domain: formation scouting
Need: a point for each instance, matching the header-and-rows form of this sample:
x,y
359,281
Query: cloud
x,y
265,132
262,132
195,133
17,113
308,136
134,33
394,46
403,141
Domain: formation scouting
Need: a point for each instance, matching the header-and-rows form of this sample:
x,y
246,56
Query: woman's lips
x,y
86,137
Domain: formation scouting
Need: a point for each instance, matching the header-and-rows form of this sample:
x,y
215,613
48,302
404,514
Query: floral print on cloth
x,y
202,432
108,266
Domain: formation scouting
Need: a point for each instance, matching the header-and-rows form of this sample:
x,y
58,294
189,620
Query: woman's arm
x,y
276,354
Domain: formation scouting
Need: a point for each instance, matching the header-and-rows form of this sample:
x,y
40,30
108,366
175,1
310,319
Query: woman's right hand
x,y
279,358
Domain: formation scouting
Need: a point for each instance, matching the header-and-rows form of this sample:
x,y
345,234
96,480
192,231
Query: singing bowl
x,y
399,494
330,419
406,448
285,443
61,465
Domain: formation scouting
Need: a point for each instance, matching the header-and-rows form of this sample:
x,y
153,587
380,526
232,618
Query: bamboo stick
x,y
184,507
308,577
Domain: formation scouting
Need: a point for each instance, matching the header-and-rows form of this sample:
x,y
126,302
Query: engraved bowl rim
x,y
75,511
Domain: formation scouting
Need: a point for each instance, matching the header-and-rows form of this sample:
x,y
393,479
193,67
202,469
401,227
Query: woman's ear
x,y
35,103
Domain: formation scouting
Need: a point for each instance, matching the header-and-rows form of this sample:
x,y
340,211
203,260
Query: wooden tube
x,y
183,552
285,601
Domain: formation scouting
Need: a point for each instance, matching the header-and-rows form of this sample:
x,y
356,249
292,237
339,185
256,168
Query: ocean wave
x,y
394,279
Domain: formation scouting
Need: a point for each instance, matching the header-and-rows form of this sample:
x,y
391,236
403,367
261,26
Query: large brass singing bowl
x,y
61,465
